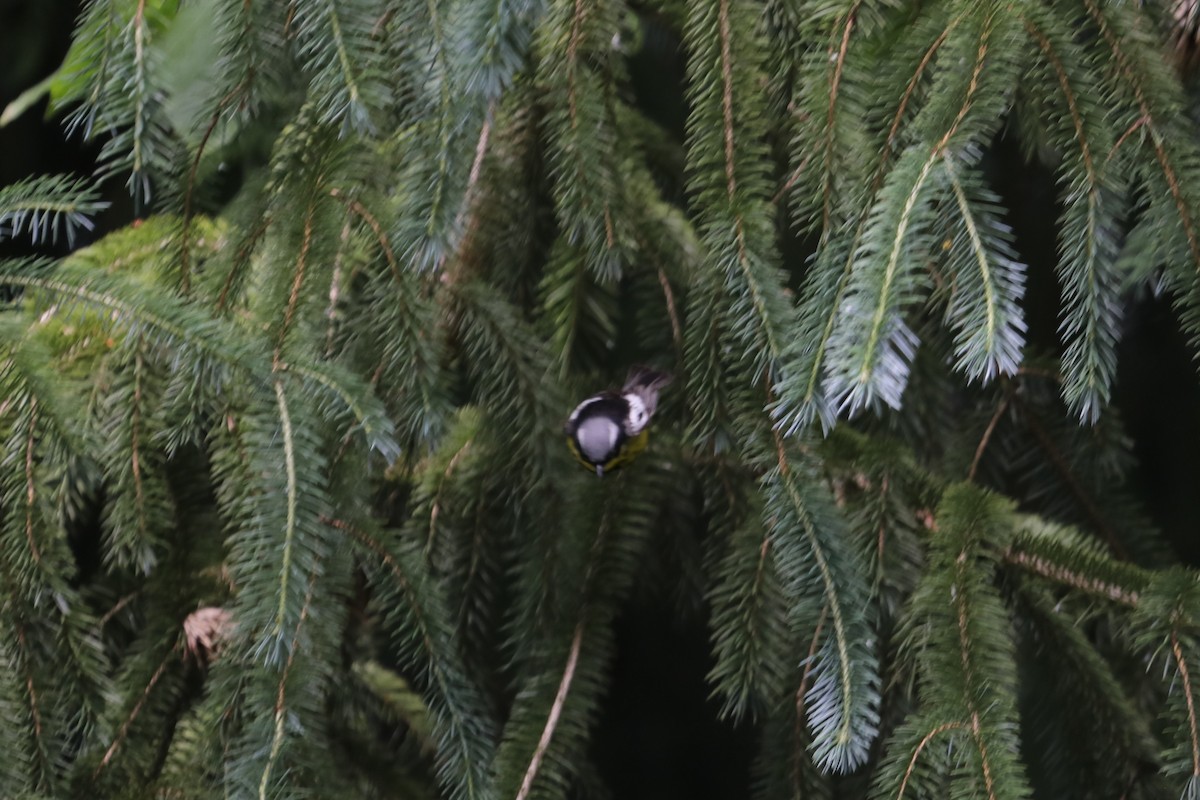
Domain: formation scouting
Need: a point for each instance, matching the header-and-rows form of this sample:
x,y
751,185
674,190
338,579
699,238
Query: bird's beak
x,y
599,471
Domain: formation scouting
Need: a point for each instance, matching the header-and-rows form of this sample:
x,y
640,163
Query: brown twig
x,y
297,282
839,63
672,314
1064,470
987,434
123,731
281,694
560,699
1045,568
964,643
376,228
1156,138
799,755
185,254
912,763
30,484
1181,663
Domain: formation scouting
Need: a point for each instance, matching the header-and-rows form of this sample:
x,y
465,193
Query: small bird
x,y
609,429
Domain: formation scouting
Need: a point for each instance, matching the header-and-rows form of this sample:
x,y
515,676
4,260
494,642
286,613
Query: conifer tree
x,y
285,509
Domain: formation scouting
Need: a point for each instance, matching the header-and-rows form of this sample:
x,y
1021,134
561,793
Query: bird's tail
x,y
646,383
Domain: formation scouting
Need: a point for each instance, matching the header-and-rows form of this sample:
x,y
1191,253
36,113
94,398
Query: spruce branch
x,y
281,700
372,221
826,84
254,62
1087,269
141,507
274,490
189,194
870,346
508,366
838,65
924,742
464,221
726,129
40,435
499,34
1193,731
48,206
551,714
672,313
560,698
1164,624
991,286
712,385
239,267
42,770
868,357
164,316
445,112
440,144
783,766
1137,80
58,676
1064,556
169,657
407,372
966,667
117,83
576,65
289,530
986,438
827,282
844,699
1109,744
1065,472
337,47
605,532
580,309
356,397
460,447
750,637
418,617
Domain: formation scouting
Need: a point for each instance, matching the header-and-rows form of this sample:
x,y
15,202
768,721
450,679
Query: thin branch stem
x,y
1064,470
369,218
185,254
560,699
839,63
1045,568
1157,138
281,694
1193,733
672,314
123,731
297,282
30,484
912,763
987,435
959,595
799,754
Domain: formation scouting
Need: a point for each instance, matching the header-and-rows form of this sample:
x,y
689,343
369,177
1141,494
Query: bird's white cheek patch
x,y
637,413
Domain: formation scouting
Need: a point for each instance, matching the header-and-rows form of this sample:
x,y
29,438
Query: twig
x,y
560,699
987,435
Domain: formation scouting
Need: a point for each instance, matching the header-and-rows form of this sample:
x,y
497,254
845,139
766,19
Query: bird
x,y
610,428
